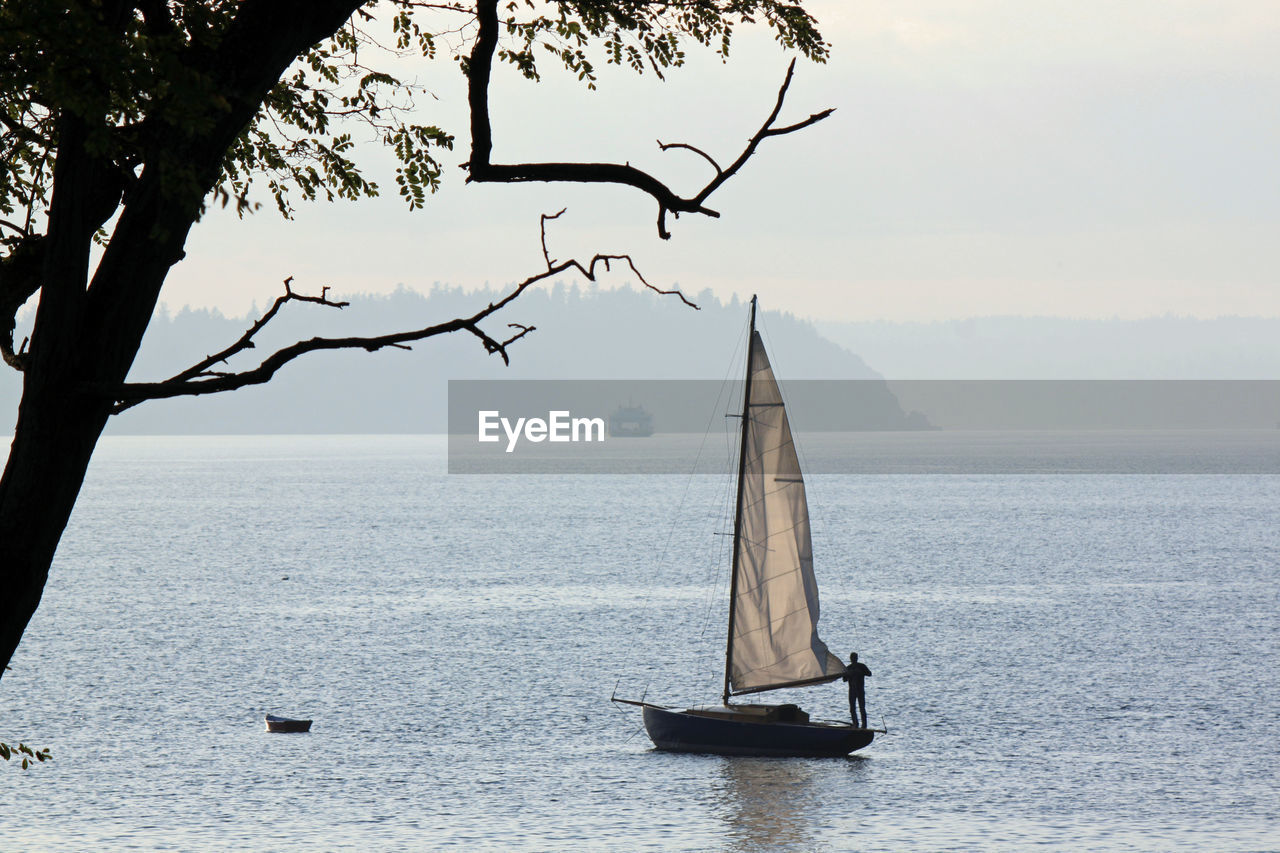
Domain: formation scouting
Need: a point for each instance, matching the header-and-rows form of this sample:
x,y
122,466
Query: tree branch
x,y
482,170
547,217
246,340
199,379
766,130
20,230
699,151
19,280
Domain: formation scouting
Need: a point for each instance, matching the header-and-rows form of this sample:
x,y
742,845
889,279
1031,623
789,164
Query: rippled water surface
x,y
1066,661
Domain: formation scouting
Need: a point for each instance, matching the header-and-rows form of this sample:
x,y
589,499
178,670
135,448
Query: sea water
x,y
1065,661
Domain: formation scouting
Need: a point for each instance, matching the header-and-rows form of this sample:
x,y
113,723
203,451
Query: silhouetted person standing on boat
x,y
856,674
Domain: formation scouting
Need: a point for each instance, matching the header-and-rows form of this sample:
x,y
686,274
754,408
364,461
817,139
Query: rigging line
x,y
721,395
713,580
724,543
718,578
636,730
724,384
678,516
713,560
706,555
718,591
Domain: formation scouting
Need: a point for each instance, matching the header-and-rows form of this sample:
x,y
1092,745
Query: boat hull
x,y
694,731
287,725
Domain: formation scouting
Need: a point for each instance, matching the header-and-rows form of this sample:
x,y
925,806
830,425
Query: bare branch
x,y
246,340
500,347
705,155
547,217
200,379
605,259
766,130
481,169
197,380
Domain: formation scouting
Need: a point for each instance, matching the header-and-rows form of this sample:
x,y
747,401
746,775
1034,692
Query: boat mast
x,y
737,515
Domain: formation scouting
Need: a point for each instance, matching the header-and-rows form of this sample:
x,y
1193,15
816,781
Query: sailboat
x,y
772,639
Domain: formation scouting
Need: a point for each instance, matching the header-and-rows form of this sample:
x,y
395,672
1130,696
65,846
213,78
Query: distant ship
x,y
630,422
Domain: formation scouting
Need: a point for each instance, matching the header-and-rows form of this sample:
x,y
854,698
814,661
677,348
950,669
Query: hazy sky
x,y
1075,159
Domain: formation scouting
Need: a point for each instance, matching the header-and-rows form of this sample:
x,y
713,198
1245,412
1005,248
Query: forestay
x,y
774,641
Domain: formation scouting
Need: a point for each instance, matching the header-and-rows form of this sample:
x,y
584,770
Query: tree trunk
x,y
87,332
78,346
58,424
54,441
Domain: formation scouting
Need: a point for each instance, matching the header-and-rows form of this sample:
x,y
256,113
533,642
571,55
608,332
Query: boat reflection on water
x,y
769,804
772,804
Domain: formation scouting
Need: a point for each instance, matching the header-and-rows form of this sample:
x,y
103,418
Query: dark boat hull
x,y
690,731
287,725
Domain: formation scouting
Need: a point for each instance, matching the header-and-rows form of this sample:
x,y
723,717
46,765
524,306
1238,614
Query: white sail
x,y
774,639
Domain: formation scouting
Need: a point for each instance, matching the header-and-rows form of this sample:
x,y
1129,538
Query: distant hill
x,y
630,334
1062,348
581,334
